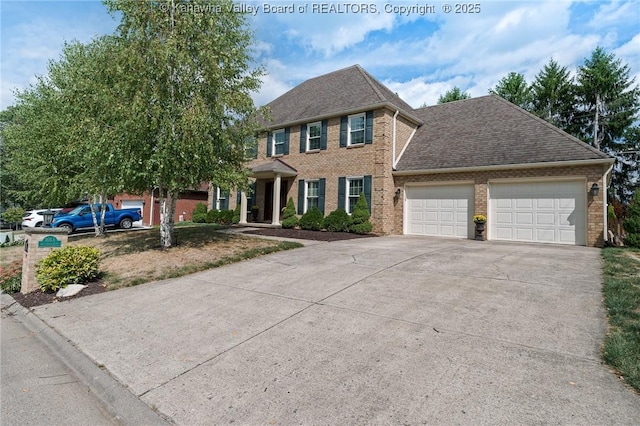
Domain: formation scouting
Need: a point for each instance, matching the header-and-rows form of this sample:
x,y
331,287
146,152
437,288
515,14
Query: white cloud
x,y
615,13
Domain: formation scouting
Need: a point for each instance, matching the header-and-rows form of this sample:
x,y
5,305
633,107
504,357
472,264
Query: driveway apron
x,y
389,330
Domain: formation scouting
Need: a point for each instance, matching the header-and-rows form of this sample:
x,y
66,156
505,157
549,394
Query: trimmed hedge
x,y
312,219
360,217
68,265
199,213
337,221
289,218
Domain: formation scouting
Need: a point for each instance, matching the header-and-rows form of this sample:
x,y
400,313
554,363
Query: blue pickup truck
x,y
80,217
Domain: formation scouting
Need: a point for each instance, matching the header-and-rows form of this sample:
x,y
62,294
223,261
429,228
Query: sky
x,y
418,49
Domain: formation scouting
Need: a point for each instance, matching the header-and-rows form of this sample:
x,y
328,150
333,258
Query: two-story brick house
x,y
427,171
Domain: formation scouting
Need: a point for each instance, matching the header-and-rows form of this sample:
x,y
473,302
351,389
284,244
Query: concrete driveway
x,y
391,330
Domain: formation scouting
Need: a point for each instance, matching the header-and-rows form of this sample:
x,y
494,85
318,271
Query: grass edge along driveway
x,y
621,290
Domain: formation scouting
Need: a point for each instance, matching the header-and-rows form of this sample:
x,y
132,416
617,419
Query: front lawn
x,y
622,298
131,258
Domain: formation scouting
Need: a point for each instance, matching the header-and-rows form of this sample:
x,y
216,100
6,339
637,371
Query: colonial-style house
x,y
425,171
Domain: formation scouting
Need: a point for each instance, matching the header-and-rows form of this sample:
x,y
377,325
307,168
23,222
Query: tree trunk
x,y
167,213
99,230
103,212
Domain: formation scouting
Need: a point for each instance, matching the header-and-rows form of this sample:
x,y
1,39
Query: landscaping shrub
x,y
11,277
68,265
360,217
289,218
337,221
13,215
223,217
199,213
312,219
236,215
632,223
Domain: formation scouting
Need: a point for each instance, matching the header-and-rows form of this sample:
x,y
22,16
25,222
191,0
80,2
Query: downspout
x,y
605,205
393,147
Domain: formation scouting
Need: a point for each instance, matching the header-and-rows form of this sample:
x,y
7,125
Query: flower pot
x,y
480,230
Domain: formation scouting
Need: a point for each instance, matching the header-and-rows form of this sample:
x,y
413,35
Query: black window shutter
x,y
303,138
300,196
368,129
321,185
342,183
323,135
253,195
215,197
367,190
269,141
286,141
343,131
224,205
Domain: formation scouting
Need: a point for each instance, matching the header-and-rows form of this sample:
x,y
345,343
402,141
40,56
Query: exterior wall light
x,y
595,190
398,193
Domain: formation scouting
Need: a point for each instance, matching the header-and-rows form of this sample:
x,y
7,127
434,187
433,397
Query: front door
x,y
268,199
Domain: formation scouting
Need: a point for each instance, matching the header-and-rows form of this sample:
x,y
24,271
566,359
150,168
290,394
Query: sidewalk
x,y
47,381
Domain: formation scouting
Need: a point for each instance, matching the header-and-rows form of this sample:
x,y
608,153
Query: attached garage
x,y
445,210
545,212
134,204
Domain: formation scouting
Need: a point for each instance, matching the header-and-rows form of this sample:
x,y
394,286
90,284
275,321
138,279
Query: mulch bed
x,y
37,298
307,235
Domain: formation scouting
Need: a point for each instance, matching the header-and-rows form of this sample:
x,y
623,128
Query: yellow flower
x,y
479,218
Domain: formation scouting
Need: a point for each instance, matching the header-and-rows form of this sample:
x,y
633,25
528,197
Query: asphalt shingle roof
x,y
488,131
348,89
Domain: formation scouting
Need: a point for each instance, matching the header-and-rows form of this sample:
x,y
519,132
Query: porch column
x,y
276,201
243,208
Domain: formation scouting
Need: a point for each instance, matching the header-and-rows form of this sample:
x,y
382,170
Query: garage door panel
x,y
553,212
443,210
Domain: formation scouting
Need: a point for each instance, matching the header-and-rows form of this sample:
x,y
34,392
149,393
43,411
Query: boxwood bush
x,y
360,217
199,213
312,219
337,221
289,218
68,265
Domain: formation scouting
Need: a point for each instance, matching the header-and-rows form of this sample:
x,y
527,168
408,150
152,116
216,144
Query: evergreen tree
x,y
514,88
553,95
455,94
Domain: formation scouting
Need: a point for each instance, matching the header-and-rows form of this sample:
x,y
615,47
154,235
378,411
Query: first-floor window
x,y
354,187
311,198
221,200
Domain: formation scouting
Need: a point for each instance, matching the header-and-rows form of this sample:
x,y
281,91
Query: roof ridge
x,y
550,126
370,80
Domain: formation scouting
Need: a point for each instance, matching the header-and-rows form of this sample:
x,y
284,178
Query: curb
x,y
119,401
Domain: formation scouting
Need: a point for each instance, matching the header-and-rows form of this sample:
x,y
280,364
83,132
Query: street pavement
x,y
389,330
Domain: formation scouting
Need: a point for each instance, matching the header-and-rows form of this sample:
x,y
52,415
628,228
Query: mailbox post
x,y
38,243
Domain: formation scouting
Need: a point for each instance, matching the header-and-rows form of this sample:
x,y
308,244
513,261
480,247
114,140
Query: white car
x,y
34,218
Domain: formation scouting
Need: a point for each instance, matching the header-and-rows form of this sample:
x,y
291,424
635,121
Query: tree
x,y
189,78
514,88
455,94
632,223
608,100
553,95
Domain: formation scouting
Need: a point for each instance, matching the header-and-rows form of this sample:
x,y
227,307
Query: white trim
x,y
308,141
533,179
306,193
364,128
346,190
273,142
605,184
504,167
440,183
393,146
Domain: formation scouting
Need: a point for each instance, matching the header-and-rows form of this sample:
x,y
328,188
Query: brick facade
x,y
151,205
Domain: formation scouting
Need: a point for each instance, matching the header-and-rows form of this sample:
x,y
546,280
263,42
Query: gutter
x,y
505,167
605,204
334,114
393,147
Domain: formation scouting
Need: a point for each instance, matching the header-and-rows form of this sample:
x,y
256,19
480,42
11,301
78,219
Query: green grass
x,y
622,298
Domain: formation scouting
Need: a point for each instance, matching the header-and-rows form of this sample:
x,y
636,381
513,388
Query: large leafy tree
x,y
455,94
514,88
189,76
553,95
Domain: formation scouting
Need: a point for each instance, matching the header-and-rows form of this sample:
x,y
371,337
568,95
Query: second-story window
x,y
356,129
279,138
313,136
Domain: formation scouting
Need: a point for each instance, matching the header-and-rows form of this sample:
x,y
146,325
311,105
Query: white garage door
x,y
133,204
439,210
549,212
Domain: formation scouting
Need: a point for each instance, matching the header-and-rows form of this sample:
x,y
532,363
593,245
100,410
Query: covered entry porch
x,y
272,182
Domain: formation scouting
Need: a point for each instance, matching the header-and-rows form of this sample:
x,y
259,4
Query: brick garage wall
x,y
184,206
334,162
481,179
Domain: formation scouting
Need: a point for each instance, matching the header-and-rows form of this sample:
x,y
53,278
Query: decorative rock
x,y
70,290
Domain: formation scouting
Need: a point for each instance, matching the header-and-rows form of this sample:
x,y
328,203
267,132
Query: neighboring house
x,y
426,171
149,204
